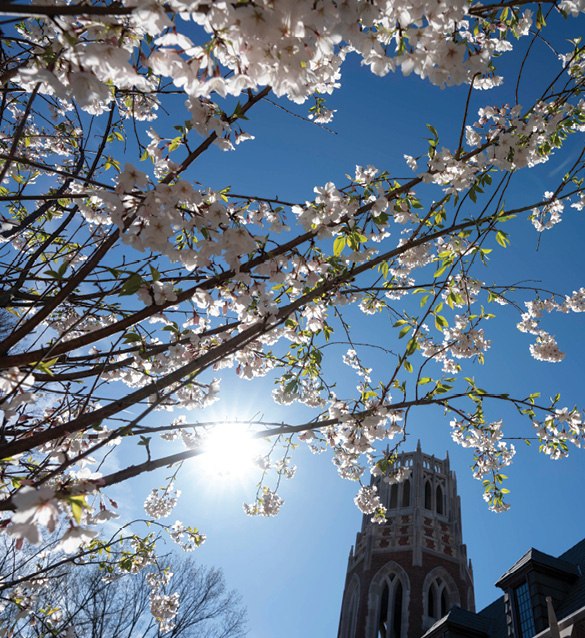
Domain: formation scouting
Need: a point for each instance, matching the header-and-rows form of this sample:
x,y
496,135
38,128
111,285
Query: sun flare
x,y
229,451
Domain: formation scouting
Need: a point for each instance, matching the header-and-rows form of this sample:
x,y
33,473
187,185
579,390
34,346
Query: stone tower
x,y
405,574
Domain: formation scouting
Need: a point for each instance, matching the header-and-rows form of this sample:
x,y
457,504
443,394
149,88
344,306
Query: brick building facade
x,y
405,574
410,577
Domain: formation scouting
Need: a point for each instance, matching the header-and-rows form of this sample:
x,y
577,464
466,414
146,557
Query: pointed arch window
x,y
444,603
390,616
406,493
388,603
397,614
440,593
440,509
351,611
383,619
394,496
431,601
438,603
428,496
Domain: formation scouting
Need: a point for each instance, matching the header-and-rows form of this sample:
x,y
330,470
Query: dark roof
x,y
576,555
575,598
496,612
540,558
463,619
492,620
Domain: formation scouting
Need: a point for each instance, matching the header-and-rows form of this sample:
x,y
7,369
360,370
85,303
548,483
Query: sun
x,y
229,451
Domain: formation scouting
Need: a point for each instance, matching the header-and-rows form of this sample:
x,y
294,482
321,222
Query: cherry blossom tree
x,y
131,286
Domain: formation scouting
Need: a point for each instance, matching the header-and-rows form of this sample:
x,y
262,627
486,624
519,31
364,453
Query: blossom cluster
x,y
548,215
154,281
491,455
267,504
163,607
158,505
392,474
39,506
546,347
558,429
187,538
368,501
297,48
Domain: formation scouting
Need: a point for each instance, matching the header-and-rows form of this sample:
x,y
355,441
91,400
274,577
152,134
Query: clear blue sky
x,y
291,569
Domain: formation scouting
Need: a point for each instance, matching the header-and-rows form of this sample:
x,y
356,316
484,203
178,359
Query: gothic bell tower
x,y
405,574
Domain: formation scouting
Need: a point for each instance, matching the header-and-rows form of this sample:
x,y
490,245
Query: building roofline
x,y
535,558
462,619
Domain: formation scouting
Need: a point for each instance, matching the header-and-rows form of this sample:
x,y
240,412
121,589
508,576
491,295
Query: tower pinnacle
x,y
405,574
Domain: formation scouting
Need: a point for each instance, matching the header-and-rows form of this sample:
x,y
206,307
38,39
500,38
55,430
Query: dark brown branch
x,y
222,351
53,11
488,8
8,159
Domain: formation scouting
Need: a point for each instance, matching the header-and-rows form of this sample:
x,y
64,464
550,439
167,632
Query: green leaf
x,y
433,131
175,144
411,347
502,239
62,269
440,322
540,21
78,504
291,386
441,270
45,366
408,366
404,332
131,285
424,380
338,246
126,564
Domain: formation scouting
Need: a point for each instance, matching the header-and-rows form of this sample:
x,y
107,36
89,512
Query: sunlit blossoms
x,y
34,507
491,455
548,215
267,504
188,538
558,430
464,341
163,607
576,302
368,500
74,537
160,502
146,280
546,348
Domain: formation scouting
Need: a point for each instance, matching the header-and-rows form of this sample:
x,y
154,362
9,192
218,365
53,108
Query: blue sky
x,y
290,570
